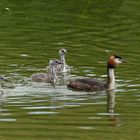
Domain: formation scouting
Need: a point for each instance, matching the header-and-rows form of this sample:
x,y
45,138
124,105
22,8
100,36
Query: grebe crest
x,y
114,60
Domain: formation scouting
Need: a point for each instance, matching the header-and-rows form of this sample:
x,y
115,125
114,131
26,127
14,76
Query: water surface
x,y
32,32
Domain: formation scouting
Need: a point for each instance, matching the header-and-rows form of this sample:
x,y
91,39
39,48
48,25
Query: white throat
x,y
62,56
111,79
64,65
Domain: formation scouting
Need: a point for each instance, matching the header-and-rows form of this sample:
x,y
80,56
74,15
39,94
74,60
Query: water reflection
x,y
5,115
111,102
113,117
32,31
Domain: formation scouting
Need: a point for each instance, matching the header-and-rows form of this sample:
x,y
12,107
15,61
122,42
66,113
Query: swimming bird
x,y
91,84
61,67
50,77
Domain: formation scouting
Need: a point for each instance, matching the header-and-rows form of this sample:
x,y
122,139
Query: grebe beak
x,y
125,61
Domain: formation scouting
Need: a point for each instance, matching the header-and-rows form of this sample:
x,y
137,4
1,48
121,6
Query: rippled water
x,y
31,33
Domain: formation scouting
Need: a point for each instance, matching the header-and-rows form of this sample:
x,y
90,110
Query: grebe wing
x,y
87,84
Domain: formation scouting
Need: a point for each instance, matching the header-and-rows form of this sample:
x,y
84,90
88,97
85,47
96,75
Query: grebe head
x,y
56,61
62,51
114,60
2,78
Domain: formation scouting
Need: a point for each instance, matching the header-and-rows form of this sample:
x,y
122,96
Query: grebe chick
x,y
51,77
63,67
90,84
1,90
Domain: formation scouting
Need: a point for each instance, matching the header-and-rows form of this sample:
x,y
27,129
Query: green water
x,y
31,33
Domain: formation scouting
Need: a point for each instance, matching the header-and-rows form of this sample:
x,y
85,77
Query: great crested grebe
x,y
90,84
50,77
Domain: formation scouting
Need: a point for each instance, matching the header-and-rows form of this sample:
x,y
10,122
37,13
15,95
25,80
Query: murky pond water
x,y
31,33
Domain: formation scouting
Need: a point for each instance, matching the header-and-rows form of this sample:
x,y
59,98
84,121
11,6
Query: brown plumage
x,y
88,84
41,77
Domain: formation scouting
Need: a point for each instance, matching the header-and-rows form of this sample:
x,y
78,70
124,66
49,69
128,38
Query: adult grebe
x,y
90,84
51,77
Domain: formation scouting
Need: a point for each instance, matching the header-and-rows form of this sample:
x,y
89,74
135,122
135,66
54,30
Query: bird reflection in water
x,y
113,117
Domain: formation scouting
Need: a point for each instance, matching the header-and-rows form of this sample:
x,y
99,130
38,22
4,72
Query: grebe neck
x,y
110,78
64,65
53,76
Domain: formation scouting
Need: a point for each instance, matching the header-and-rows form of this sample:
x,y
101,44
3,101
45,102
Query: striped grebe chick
x,y
63,67
90,84
50,77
